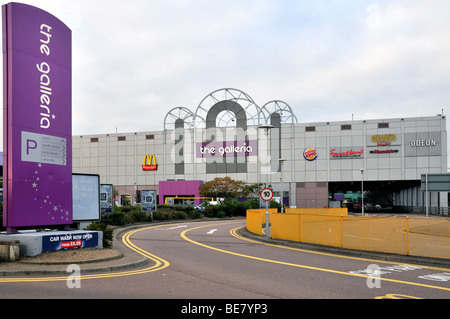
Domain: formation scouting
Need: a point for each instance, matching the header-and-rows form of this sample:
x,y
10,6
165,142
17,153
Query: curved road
x,y
210,260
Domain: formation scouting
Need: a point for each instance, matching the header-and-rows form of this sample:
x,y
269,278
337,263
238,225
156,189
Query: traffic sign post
x,y
266,195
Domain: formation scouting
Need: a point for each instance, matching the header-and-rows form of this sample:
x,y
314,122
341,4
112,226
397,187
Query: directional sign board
x,y
436,182
266,194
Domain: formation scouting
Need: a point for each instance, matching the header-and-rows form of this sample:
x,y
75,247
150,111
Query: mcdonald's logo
x,y
149,163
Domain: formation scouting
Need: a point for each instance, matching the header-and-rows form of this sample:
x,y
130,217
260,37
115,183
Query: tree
x,y
224,187
255,189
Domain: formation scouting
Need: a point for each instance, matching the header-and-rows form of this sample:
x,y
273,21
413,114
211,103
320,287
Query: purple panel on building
x,y
37,120
227,149
179,188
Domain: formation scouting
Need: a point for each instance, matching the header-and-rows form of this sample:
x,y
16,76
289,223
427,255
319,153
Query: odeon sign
x,y
423,143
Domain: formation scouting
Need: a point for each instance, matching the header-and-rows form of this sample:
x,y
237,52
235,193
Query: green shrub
x,y
107,232
127,209
194,215
231,208
190,212
211,211
140,217
180,215
251,204
116,219
163,214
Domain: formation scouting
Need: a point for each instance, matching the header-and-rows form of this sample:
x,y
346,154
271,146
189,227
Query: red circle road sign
x,y
266,194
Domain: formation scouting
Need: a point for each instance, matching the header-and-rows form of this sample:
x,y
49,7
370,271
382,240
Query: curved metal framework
x,y
254,114
282,109
227,118
176,114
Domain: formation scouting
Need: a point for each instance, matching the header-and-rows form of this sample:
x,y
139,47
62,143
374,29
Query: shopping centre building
x,y
229,134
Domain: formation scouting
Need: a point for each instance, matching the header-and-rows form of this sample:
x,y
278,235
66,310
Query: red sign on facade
x,y
71,244
149,163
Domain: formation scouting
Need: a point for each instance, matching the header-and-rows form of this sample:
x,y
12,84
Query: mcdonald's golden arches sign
x,y
149,163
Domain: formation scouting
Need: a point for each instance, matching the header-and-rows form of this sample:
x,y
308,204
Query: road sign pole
x,y
426,194
267,221
266,195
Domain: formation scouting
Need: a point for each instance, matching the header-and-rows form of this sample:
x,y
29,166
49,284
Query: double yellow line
x,y
233,232
159,263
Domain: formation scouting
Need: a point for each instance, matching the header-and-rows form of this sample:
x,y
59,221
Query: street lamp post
x,y
281,160
266,129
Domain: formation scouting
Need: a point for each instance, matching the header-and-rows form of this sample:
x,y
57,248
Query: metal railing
x,y
433,210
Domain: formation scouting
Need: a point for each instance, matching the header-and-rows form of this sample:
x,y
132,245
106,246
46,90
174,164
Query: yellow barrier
x,y
256,218
415,236
319,211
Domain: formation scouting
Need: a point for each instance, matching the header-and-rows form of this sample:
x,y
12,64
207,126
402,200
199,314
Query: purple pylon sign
x,y
37,118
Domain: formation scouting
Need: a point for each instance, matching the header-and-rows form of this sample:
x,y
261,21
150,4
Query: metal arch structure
x,y
177,116
179,113
282,109
227,118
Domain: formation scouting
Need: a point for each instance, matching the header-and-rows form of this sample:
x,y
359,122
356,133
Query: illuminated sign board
x,y
69,240
384,139
310,154
423,144
149,163
381,140
86,197
381,144
225,149
37,118
148,200
106,198
346,152
386,151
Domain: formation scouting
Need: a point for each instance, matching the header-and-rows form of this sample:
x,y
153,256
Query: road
x,y
210,260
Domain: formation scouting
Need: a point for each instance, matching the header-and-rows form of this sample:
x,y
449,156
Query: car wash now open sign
x,y
60,241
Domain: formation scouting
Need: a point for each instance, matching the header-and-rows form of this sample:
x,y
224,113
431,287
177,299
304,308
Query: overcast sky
x,y
135,60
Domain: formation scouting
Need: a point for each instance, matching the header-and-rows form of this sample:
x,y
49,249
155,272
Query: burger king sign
x,y
310,154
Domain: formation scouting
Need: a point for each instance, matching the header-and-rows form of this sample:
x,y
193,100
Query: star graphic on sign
x,y
34,185
53,116
55,208
39,165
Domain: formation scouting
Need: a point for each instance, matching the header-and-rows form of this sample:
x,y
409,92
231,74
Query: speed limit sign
x,y
266,194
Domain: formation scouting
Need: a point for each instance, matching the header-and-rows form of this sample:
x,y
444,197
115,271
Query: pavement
x,y
122,258
127,258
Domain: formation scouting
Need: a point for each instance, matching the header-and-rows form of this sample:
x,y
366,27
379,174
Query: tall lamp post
x,y
281,160
266,129
362,191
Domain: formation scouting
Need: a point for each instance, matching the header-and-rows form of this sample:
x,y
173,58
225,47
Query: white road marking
x,y
177,227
